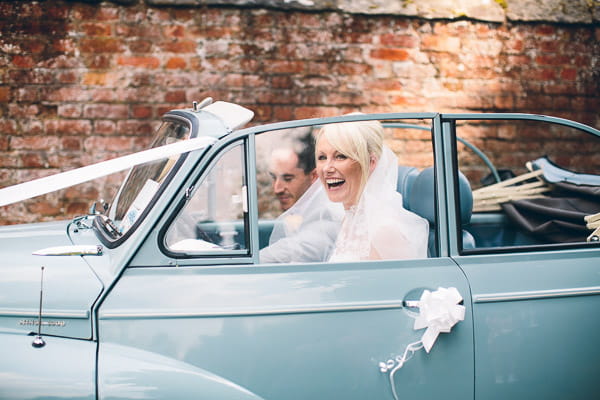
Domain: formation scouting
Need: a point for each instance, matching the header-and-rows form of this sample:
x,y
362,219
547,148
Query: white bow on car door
x,y
439,311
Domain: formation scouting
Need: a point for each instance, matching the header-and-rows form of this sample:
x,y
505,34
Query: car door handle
x,y
410,303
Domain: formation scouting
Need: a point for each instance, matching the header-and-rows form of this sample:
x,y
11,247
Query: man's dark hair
x,y
306,152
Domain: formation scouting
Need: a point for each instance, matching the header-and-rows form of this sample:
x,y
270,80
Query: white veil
x,y
379,225
307,231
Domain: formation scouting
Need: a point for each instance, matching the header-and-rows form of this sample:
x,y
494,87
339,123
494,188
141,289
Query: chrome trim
x,y
73,250
346,307
535,294
46,314
33,322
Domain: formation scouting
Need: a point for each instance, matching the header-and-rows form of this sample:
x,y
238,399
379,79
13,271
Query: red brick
x,y
504,102
283,113
78,207
7,127
95,12
390,54
34,143
110,143
287,67
5,94
315,112
568,74
31,160
254,81
407,101
104,95
175,96
101,45
550,46
97,61
72,143
43,207
174,31
440,43
32,46
103,127
183,46
141,112
21,61
176,63
140,46
63,45
98,78
33,127
68,94
106,111
399,40
139,62
545,30
552,60
384,84
69,110
134,127
96,29
352,69
67,127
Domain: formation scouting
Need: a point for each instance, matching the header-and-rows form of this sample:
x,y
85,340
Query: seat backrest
x,y
406,178
418,190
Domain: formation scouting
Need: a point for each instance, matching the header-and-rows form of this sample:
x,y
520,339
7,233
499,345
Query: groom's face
x,y
289,181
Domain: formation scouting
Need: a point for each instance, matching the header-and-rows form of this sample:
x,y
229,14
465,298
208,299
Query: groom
x,y
307,229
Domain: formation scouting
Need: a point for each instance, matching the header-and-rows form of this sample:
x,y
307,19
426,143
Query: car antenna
x,y
38,341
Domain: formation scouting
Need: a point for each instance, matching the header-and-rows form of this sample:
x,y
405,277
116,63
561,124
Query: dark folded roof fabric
x,y
558,218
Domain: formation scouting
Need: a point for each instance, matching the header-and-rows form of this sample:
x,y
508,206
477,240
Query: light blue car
x,y
163,294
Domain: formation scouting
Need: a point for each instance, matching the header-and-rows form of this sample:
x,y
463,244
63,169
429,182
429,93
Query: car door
x,y
188,319
535,293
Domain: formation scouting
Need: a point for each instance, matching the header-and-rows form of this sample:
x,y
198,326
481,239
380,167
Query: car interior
x,y
493,208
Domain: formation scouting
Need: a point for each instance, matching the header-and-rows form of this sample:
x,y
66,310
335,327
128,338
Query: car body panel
x,y
528,313
62,369
329,325
122,369
70,286
142,321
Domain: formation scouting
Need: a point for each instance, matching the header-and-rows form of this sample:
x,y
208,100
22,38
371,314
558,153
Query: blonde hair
x,y
358,140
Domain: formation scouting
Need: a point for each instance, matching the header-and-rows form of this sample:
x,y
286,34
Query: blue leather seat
x,y
418,191
406,178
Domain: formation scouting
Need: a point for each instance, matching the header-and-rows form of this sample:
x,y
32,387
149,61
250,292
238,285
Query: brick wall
x,y
82,82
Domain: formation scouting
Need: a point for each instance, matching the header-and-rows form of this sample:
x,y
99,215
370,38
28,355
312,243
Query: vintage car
x,y
162,294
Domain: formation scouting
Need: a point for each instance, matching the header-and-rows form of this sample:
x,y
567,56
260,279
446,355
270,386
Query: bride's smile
x,y
339,174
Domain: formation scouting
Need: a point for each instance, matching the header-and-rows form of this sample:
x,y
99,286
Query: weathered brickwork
x,y
83,82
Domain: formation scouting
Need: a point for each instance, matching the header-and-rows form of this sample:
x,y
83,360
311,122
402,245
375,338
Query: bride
x,y
357,170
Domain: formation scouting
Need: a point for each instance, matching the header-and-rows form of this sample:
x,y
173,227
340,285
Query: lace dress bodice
x,y
352,243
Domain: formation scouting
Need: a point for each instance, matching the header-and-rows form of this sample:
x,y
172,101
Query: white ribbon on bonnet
x,y
439,311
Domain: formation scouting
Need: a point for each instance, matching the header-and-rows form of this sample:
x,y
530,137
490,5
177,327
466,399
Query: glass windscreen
x,y
144,181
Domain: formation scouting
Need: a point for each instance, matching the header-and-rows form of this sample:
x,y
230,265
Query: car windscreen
x,y
143,181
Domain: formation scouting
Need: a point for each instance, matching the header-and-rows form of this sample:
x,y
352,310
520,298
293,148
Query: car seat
x,y
418,191
406,178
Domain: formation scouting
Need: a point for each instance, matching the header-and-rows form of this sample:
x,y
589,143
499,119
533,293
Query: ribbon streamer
x,y
48,184
231,115
439,311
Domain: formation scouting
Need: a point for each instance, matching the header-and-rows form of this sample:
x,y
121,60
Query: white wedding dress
x,y
307,231
379,227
